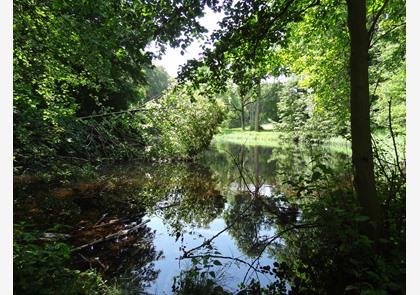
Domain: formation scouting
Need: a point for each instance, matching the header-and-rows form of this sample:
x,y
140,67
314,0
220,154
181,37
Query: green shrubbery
x,y
337,247
197,282
77,59
171,127
41,267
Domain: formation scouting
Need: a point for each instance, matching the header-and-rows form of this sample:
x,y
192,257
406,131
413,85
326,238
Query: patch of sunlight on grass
x,y
268,126
270,138
249,138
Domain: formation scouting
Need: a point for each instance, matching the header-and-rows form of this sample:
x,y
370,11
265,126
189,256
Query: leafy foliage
x,y
77,59
241,104
158,80
182,124
46,266
197,282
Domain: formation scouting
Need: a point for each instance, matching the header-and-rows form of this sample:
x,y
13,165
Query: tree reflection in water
x,y
86,212
287,213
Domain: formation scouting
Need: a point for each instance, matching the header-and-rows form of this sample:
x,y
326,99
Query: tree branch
x,y
386,33
222,257
275,237
393,140
132,111
375,21
110,237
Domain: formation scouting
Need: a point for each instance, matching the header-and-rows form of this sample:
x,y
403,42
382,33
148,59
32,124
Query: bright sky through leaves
x,y
173,58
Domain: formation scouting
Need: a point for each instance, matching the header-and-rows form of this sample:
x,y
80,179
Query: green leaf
x,y
316,176
217,262
361,218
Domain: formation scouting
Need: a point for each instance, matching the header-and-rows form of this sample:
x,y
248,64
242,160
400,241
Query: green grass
x,y
270,138
266,138
268,126
385,143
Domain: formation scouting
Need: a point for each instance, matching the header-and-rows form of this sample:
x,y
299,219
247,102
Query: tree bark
x,y
257,168
251,116
243,116
257,108
362,156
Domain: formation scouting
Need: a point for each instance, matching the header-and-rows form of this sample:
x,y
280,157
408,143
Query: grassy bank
x,y
268,138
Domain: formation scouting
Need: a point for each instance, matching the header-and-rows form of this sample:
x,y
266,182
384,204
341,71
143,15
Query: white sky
x,y
173,58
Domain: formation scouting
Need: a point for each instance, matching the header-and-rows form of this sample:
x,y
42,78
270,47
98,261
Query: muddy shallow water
x,y
147,224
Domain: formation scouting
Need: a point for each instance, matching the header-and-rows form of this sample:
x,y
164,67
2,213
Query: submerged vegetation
x,y
274,164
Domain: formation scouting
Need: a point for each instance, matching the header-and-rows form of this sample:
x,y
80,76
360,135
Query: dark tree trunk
x,y
362,156
251,116
257,108
243,116
257,168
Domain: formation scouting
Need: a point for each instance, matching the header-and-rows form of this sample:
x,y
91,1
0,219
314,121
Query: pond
x,y
158,227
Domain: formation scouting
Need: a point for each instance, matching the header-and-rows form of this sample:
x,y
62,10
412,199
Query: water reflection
x,y
240,194
101,221
246,196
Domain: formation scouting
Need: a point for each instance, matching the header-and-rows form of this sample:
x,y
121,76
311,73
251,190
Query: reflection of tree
x,y
90,211
256,214
193,281
224,159
296,165
275,212
330,257
129,258
189,197
246,230
257,179
184,194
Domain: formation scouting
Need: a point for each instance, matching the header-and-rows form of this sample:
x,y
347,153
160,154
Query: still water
x,y
151,226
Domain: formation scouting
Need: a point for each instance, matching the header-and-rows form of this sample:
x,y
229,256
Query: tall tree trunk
x,y
242,116
251,116
361,145
257,168
257,108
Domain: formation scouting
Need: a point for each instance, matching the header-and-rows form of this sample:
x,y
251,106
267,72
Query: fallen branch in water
x,y
100,219
92,260
111,236
54,236
131,111
112,221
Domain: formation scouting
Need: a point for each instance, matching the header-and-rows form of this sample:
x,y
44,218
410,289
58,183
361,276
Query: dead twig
x,y
100,219
132,111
